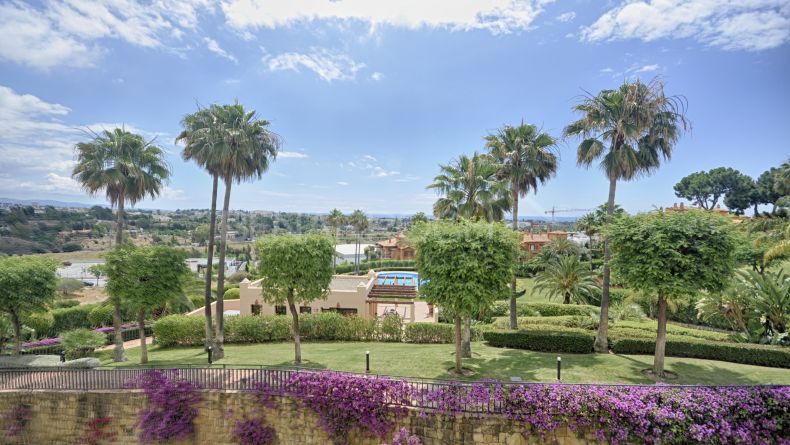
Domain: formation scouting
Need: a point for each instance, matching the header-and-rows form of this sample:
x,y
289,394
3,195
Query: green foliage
x,y
257,329
71,247
466,266
364,266
556,249
180,330
567,278
101,315
428,333
27,284
749,354
81,342
391,328
299,264
542,340
524,309
65,303
67,319
765,298
41,322
67,286
230,294
237,277
706,188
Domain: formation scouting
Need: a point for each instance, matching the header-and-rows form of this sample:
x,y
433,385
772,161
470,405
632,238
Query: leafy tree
x,y
526,157
641,126
471,189
145,278
556,249
672,255
466,267
742,195
359,221
706,188
419,217
97,270
27,285
769,296
295,270
236,145
335,220
201,234
766,190
128,168
67,286
569,278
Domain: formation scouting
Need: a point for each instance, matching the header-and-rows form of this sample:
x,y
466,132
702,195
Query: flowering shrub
x,y
95,433
172,407
15,420
345,402
253,432
404,437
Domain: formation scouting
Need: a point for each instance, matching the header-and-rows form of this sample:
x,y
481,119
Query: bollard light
x,y
559,367
63,356
367,361
209,354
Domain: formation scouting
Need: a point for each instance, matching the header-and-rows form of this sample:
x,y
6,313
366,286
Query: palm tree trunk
x,y
17,332
141,328
567,299
458,344
119,223
513,314
118,353
212,230
466,338
661,337
601,339
219,339
295,328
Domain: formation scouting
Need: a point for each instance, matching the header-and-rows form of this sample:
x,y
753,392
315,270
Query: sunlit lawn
x,y
432,361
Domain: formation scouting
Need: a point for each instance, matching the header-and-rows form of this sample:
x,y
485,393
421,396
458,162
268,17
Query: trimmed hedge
x,y
543,340
364,266
523,309
101,315
181,330
70,318
435,333
749,354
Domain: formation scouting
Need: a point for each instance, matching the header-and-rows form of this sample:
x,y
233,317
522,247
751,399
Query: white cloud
x,y
607,70
379,172
369,158
329,65
173,194
566,17
376,76
70,32
495,16
343,183
730,24
291,154
647,68
213,46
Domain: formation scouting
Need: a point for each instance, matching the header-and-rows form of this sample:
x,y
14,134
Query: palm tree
x,y
360,223
569,278
471,190
128,168
526,159
335,220
641,126
199,137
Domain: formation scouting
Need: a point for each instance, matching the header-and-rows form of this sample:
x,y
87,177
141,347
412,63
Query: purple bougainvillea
x,y
16,419
404,437
252,431
172,407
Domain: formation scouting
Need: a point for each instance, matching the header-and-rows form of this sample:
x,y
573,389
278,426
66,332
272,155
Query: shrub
x,y
429,333
231,294
556,309
81,342
70,318
542,338
41,322
237,277
101,315
749,354
181,330
61,303
391,328
321,326
358,329
257,329
68,286
71,247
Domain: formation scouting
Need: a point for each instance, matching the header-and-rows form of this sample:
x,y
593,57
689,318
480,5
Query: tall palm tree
x,y
128,168
629,131
200,141
360,223
526,158
569,278
335,220
471,189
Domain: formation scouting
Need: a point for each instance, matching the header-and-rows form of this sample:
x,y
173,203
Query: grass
x,y
531,296
432,361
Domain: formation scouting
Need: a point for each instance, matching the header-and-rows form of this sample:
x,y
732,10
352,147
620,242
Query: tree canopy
x,y
27,284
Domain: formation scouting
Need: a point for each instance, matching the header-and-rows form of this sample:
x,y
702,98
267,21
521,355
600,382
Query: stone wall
x,y
59,418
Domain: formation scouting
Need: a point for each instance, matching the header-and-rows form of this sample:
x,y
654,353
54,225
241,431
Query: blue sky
x,y
371,96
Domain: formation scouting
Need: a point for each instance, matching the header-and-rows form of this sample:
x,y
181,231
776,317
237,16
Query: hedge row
x,y
542,340
749,354
364,266
502,308
435,333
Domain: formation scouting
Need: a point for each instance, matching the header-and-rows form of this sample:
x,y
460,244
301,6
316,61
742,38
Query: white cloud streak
x,y
328,65
291,155
213,46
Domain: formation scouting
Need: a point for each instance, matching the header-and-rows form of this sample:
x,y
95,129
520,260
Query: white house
x,y
345,252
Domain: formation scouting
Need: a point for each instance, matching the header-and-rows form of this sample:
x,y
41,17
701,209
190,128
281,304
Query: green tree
x,y
769,296
360,223
526,158
471,189
567,277
27,285
466,267
97,270
128,168
145,278
706,188
641,126
418,217
766,190
742,195
67,286
335,220
672,255
296,271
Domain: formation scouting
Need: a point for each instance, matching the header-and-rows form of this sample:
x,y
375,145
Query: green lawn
x,y
488,362
530,296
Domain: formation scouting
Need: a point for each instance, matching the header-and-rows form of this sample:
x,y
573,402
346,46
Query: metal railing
x,y
424,393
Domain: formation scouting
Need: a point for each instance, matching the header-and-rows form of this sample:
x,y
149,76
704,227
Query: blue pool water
x,y
398,278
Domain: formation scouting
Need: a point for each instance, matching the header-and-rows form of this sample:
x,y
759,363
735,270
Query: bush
x,y
198,301
230,294
68,286
71,247
237,277
556,309
430,333
364,266
391,328
182,330
81,342
70,318
543,339
257,329
61,303
41,322
101,315
749,354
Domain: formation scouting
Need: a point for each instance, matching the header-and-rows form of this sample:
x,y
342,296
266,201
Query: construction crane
x,y
553,211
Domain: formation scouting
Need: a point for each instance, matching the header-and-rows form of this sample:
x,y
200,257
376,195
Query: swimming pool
x,y
398,278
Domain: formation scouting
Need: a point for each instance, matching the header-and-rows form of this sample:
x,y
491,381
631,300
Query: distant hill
x,y
46,202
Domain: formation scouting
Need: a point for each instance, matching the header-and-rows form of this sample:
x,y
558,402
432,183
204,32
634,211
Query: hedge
x,y
749,354
543,340
434,333
364,266
181,330
523,309
101,315
68,319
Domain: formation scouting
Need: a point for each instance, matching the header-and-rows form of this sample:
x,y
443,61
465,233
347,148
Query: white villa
x,y
344,253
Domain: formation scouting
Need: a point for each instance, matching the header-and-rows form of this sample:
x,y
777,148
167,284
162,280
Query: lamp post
x,y
559,367
367,361
208,349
